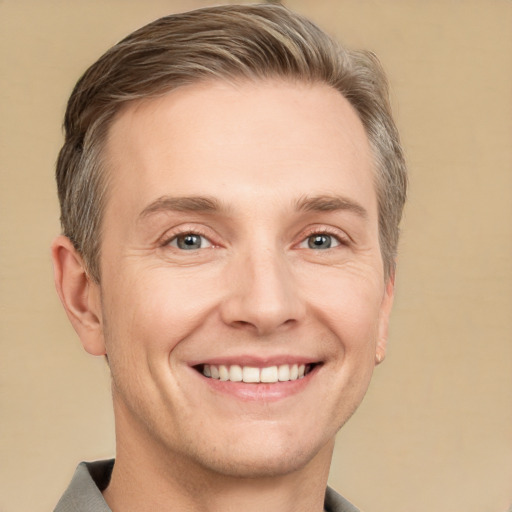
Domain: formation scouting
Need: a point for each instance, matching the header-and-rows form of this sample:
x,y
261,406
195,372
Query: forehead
x,y
221,139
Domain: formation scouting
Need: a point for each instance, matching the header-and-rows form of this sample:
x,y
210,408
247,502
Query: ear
x,y
385,311
79,295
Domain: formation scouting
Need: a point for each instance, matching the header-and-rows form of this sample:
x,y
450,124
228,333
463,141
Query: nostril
x,y
242,324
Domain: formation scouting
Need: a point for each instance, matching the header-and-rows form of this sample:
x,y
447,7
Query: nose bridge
x,y
263,292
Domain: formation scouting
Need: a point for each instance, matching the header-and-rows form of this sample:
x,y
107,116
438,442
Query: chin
x,y
257,467
262,459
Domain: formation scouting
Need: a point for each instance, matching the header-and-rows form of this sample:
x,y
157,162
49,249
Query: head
x,y
231,185
228,43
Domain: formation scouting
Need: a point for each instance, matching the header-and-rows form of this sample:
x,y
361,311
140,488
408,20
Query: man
x,y
231,186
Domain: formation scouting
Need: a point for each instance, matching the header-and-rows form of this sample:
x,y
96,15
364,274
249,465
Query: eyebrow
x,y
328,203
321,203
182,204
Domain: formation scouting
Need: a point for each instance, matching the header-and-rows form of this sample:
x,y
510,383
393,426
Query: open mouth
x,y
255,375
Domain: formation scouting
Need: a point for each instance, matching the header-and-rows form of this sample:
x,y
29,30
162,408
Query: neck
x,y
148,478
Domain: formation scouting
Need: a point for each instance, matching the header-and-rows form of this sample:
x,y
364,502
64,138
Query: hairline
x,y
303,53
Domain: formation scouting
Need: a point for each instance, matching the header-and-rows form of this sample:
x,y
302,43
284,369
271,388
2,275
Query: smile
x,y
251,374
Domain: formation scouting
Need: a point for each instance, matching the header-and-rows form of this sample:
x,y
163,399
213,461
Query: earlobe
x,y
387,303
79,295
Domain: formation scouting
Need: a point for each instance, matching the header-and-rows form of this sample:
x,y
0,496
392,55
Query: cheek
x,y
153,312
145,320
349,305
349,308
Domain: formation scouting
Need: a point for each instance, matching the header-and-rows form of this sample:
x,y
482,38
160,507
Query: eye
x,y
189,242
320,241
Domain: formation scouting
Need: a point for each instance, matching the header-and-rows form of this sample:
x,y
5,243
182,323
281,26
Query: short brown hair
x,y
229,42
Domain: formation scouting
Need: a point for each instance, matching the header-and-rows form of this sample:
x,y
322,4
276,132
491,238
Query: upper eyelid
x,y
173,233
186,233
339,233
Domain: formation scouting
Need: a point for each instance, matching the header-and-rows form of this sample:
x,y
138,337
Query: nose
x,y
263,296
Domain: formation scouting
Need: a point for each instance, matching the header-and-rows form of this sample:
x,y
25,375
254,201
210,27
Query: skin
x,y
275,164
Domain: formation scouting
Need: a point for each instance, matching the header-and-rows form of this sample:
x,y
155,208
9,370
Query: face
x,y
242,294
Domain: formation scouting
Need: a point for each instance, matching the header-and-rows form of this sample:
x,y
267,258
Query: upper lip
x,y
256,361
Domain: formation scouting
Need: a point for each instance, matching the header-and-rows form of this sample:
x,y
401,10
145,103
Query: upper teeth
x,y
236,373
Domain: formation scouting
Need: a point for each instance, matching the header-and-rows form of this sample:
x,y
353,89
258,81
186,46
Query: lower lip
x,y
262,392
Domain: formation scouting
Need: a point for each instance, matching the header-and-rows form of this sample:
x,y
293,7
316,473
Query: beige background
x,y
435,431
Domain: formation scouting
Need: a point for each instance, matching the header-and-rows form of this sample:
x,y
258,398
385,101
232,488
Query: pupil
x,y
189,242
320,242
